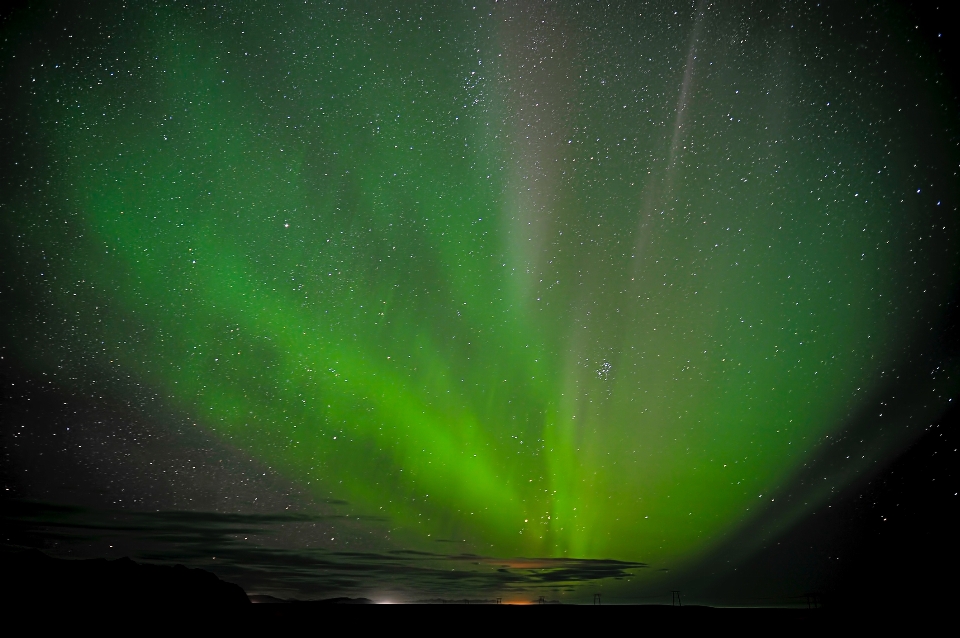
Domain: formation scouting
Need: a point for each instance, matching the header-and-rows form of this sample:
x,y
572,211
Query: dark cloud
x,y
237,547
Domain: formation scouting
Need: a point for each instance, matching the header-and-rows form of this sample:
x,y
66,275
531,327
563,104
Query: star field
x,y
573,281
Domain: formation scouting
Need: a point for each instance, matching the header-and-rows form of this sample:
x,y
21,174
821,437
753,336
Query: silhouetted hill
x,y
31,579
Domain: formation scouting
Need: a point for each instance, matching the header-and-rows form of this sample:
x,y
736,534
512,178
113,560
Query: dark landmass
x,y
48,591
32,580
474,618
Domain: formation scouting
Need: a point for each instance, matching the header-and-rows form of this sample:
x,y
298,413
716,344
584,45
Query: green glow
x,y
546,299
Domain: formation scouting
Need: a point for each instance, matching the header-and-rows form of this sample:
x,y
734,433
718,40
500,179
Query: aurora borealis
x,y
546,280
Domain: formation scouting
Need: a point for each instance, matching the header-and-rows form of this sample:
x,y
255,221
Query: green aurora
x,y
557,280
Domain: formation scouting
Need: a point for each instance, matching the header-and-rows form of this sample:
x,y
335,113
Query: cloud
x,y
239,548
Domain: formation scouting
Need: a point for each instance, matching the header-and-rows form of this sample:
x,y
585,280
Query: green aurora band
x,y
557,280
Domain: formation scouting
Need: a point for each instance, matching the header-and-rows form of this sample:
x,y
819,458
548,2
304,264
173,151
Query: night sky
x,y
464,300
